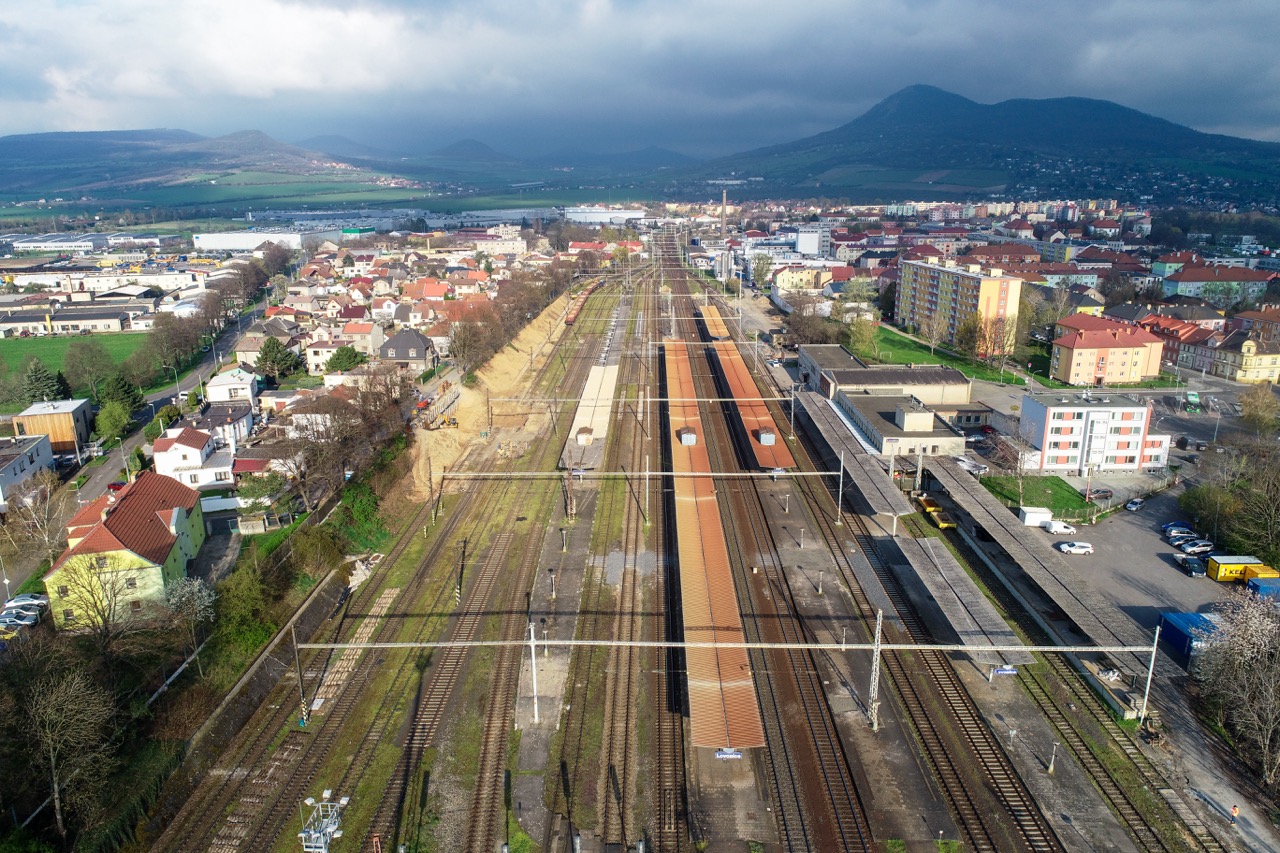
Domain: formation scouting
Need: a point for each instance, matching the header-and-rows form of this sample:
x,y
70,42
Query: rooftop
x,y
16,446
881,412
1051,400
52,407
831,356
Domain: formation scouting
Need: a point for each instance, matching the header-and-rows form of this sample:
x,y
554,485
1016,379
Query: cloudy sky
x,y
701,76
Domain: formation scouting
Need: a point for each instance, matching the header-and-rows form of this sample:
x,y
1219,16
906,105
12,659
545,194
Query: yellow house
x,y
123,550
1241,357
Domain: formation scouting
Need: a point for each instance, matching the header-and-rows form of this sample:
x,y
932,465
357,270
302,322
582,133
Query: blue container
x,y
1265,587
1185,633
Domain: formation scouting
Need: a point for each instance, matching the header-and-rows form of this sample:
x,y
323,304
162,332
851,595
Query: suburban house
x,y
408,349
20,459
317,354
123,550
1090,350
68,423
192,458
236,385
366,337
285,331
230,422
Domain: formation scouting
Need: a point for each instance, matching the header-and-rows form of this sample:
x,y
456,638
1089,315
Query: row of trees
x,y
488,328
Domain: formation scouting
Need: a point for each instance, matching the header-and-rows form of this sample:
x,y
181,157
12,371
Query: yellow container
x,y
943,520
929,504
1225,569
1252,572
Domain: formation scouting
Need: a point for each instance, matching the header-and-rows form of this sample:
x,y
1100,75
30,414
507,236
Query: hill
x,y
937,142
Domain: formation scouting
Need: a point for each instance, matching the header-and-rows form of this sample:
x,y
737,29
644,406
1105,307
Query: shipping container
x,y
943,520
1035,516
1223,568
1187,633
1265,587
1251,572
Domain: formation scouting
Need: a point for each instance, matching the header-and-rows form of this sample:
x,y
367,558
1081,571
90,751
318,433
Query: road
x,y
110,471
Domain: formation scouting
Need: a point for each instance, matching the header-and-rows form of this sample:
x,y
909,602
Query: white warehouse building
x,y
247,241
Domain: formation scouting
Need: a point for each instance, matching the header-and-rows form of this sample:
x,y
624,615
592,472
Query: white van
x,y
1060,528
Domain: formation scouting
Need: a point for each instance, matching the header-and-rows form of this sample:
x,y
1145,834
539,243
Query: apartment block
x,y
948,293
1090,350
1075,434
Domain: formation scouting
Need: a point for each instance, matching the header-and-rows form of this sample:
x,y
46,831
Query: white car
x,y
1075,548
28,599
13,619
1135,504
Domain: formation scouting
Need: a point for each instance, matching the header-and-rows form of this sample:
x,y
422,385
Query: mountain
x,y
644,159
89,162
342,148
937,142
470,150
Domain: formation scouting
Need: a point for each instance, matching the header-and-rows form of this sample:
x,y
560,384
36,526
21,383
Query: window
x,y
222,476
101,562
391,353
68,616
130,583
135,606
413,353
63,591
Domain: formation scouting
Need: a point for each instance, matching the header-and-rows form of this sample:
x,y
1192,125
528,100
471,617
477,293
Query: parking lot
x,y
1132,565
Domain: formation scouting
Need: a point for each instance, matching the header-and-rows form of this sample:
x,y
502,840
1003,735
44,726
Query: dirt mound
x,y
505,375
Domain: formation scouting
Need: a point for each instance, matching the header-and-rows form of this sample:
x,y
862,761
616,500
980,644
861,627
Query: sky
x,y
703,77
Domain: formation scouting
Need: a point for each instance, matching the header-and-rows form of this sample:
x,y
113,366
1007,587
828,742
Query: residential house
x,y
1243,357
68,423
439,335
317,354
1264,324
1090,350
21,458
125,548
409,350
235,385
192,458
1219,285
1166,265
231,423
366,337
1082,433
285,331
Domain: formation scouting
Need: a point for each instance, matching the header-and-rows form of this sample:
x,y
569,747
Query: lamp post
x,y
177,390
6,579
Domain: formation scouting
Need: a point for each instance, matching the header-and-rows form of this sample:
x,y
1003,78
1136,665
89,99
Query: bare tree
x,y
70,721
37,514
1240,673
933,330
1260,408
191,600
99,594
1011,453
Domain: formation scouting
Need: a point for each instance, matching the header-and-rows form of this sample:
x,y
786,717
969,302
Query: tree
x,y
1239,672
69,718
241,602
101,591
112,421
888,300
38,383
121,390
862,335
275,360
275,258
88,361
761,266
345,358
37,514
1116,288
63,386
259,489
317,549
933,330
191,600
1260,408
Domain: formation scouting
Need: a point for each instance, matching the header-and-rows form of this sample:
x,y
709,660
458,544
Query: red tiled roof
x,y
357,328
1089,323
189,437
1122,336
249,466
1221,273
137,520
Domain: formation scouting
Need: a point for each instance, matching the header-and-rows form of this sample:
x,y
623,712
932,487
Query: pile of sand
x,y
505,375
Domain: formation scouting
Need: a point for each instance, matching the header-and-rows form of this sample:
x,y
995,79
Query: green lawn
x,y
893,348
52,351
1054,493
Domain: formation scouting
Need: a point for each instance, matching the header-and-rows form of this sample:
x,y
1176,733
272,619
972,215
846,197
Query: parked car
x,y
1196,547
22,610
116,486
1060,528
1193,566
1099,495
1202,446
1171,524
29,598
1180,531
13,618
1183,538
1075,548
1135,504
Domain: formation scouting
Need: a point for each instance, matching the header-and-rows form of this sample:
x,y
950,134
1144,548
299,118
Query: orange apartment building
x,y
1090,350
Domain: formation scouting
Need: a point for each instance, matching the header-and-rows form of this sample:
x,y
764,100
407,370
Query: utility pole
x,y
533,667
840,493
873,692
302,693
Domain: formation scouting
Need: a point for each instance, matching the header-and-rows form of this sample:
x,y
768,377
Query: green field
x,y
1054,493
52,351
893,348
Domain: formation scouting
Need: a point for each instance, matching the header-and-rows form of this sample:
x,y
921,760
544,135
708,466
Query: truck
x,y
1223,568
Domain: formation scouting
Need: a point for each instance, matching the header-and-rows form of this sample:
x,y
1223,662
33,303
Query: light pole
x,y
177,390
1217,424
6,579
1053,757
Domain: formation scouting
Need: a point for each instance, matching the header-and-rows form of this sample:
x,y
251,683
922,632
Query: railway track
x,y
818,811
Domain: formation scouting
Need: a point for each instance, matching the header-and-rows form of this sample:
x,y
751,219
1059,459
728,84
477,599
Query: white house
x,y
20,458
231,423
192,458
236,385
